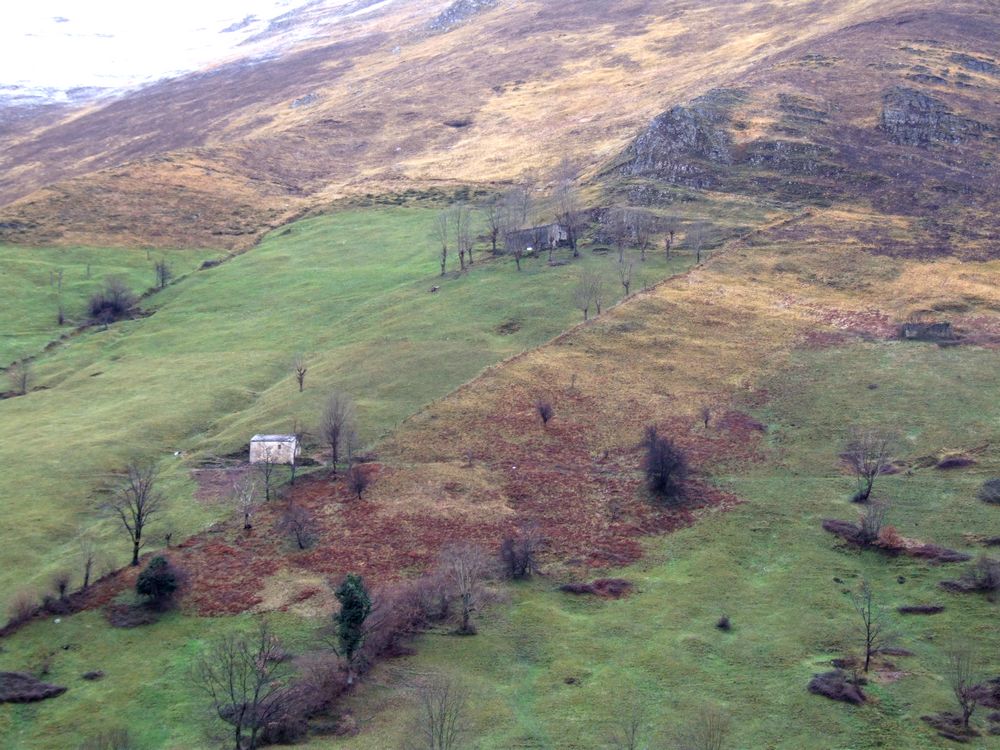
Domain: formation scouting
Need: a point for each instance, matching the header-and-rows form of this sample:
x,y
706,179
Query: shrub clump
x,y
990,492
665,465
113,302
20,687
158,582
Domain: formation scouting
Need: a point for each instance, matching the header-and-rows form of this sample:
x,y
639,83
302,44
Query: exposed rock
x,y
976,64
686,145
911,118
459,12
305,101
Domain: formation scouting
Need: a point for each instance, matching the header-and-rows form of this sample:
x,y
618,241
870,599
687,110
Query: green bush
x,y
158,582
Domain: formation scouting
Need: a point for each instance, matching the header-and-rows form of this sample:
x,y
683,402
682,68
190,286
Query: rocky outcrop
x,y
459,12
687,145
976,64
912,118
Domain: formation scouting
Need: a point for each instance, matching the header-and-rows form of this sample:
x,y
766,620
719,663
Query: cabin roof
x,y
273,439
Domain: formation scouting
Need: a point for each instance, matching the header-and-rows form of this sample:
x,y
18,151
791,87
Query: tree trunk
x,y
135,550
517,262
86,572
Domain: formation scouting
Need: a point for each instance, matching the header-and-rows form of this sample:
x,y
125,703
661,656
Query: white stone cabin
x,y
278,449
539,238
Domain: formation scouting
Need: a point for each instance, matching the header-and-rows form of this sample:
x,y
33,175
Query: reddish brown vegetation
x,y
891,542
19,687
836,686
606,588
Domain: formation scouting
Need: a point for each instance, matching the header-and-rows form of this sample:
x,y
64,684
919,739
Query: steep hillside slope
x,y
214,159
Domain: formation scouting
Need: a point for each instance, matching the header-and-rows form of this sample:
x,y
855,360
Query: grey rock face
x,y
459,11
976,64
911,118
685,144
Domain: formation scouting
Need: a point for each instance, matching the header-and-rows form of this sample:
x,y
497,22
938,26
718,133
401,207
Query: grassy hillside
x,y
772,569
212,365
30,285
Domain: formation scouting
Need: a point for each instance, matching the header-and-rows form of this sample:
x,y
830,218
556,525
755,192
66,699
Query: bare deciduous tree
x,y
442,230
497,215
521,203
163,273
301,366
670,225
519,552
442,722
873,625
964,678
631,727
337,426
709,730
464,235
266,465
706,415
697,237
588,292
618,230
358,480
245,676
466,567
868,453
514,245
88,555
873,520
136,502
642,232
20,376
625,274
568,206
299,523
244,496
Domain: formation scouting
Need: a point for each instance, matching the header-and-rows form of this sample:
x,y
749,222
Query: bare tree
x,y
670,225
618,230
568,206
709,730
244,496
963,677
266,465
245,676
630,727
515,247
521,203
299,523
873,625
625,274
873,520
136,502
442,230
466,567
696,238
642,228
665,464
88,555
497,214
519,552
588,292
358,480
706,415
868,453
163,273
301,366
464,235
442,722
337,426
20,376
